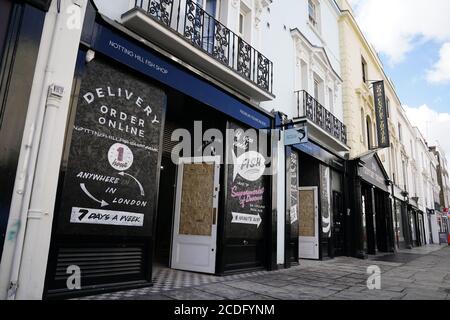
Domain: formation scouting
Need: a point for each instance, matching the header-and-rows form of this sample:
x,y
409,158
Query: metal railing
x,y
204,32
310,108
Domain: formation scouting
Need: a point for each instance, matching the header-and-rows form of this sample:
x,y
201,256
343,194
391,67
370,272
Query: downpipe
x,y
29,166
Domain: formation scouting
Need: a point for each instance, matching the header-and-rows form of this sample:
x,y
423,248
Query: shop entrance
x,y
195,223
369,225
309,223
338,224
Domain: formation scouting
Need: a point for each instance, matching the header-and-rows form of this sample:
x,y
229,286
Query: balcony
x,y
187,31
324,124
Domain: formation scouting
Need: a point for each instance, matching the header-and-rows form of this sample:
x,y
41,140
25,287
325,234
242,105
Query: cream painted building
x,y
411,189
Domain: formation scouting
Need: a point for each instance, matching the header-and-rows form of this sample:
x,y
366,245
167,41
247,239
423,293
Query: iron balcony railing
x,y
203,31
310,108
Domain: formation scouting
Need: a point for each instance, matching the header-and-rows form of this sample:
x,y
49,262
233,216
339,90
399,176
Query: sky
x,y
412,38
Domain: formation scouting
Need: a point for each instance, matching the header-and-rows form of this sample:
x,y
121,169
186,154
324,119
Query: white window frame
x,y
313,13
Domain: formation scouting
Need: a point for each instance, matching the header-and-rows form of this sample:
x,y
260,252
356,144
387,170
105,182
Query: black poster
x,y
294,193
110,185
247,187
325,200
381,114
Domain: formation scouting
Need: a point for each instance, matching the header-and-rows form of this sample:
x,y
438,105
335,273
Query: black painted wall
x,y
20,37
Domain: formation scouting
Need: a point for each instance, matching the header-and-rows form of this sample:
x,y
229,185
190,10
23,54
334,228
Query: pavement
x,y
419,274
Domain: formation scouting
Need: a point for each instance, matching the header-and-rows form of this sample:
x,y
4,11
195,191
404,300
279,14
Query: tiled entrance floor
x,y
165,279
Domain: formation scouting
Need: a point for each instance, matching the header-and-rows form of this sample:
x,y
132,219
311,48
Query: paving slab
x,y
426,277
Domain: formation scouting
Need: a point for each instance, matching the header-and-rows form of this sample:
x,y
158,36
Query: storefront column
x,y
25,266
273,258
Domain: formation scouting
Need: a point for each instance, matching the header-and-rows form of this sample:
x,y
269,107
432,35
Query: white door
x,y
308,243
195,223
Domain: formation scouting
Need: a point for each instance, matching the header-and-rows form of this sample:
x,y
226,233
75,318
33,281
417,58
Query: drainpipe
x,y
27,172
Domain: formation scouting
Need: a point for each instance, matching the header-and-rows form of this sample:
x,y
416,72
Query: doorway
x,y
368,219
194,243
338,224
164,223
308,223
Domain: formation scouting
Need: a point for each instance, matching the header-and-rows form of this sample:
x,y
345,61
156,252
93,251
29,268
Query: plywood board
x,y
196,217
307,214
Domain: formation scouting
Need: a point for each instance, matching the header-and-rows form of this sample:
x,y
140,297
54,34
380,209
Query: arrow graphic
x,y
137,181
246,219
103,203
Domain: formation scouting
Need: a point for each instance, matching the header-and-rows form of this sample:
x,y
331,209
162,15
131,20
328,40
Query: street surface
x,y
418,274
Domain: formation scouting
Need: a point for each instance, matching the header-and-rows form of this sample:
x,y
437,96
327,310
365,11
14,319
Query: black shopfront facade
x,y
371,211
126,204
402,231
315,204
409,221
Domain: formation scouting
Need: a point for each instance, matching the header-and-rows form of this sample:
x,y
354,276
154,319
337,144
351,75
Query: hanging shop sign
x,y
110,184
381,114
296,136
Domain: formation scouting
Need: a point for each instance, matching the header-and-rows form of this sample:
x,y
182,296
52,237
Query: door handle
x,y
214,216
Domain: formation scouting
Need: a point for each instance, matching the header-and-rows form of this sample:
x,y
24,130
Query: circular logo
x,y
120,157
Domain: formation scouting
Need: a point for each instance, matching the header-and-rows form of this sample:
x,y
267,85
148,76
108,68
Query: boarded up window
x,y
307,214
196,216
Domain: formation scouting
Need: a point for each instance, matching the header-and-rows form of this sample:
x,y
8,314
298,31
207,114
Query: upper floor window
x,y
244,22
313,13
400,133
331,100
369,132
319,90
388,107
364,70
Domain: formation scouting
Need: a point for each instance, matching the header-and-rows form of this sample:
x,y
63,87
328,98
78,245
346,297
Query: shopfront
x,y
315,203
161,167
416,226
372,208
401,224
